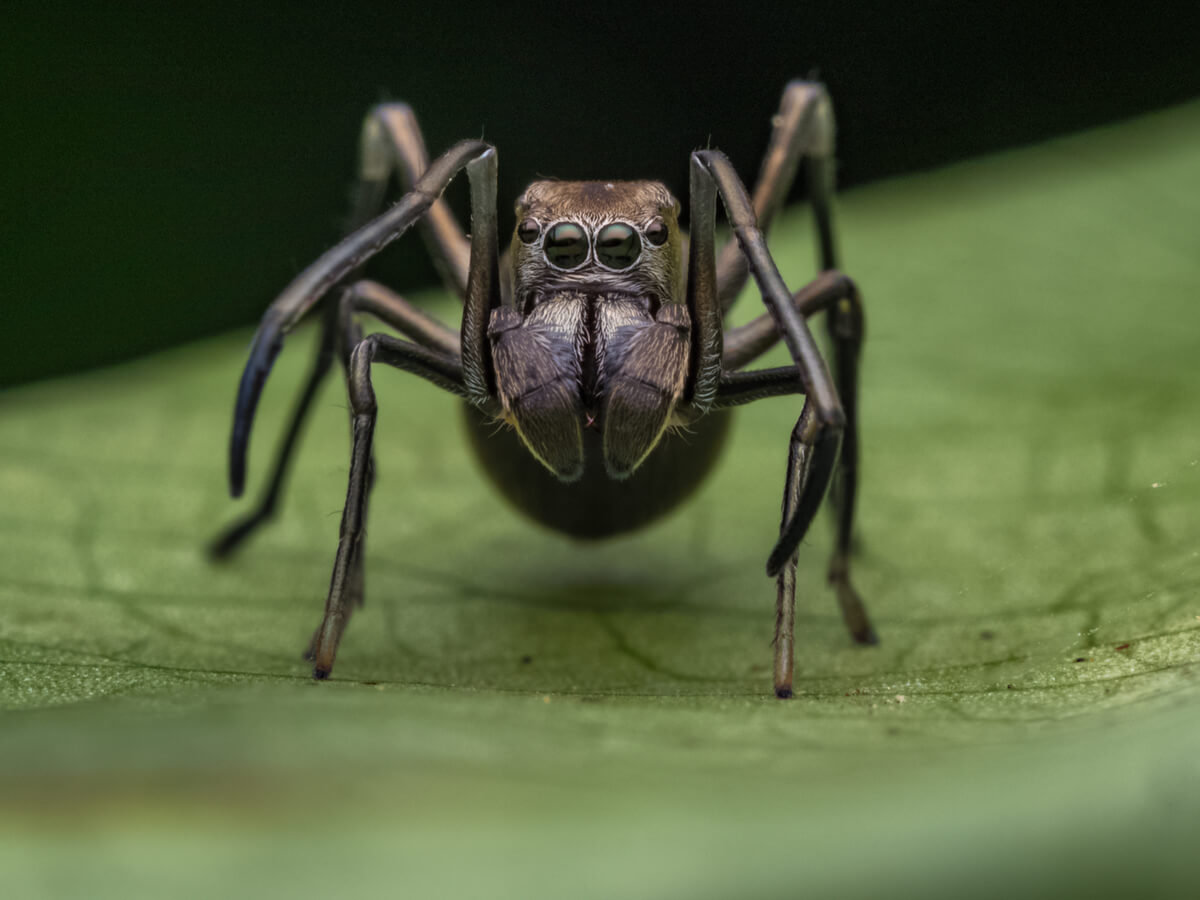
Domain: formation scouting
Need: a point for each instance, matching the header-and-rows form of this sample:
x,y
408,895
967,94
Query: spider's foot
x,y
854,611
323,649
783,691
229,540
867,638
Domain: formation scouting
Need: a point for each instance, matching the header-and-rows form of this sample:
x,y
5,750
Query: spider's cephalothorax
x,y
591,336
598,335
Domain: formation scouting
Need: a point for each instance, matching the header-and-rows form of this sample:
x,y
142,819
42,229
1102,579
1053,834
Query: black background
x,y
168,169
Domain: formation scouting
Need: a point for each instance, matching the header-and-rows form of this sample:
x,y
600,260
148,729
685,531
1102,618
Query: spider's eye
x,y
618,246
656,232
528,231
566,245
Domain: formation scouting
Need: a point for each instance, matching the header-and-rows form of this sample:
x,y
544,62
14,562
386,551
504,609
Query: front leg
x,y
445,372
338,333
467,374
817,438
836,295
311,285
712,170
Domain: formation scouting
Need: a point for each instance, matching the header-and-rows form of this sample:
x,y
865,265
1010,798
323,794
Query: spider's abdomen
x,y
575,366
594,505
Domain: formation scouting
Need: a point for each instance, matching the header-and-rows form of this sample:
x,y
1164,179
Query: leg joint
x,y
362,395
813,95
821,425
833,421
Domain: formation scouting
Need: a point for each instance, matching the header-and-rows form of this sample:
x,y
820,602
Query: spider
x,y
596,336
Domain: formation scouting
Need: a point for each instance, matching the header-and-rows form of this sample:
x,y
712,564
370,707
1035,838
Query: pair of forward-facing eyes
x,y
567,245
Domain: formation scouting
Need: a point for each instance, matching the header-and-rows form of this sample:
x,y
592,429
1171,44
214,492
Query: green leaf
x,y
513,714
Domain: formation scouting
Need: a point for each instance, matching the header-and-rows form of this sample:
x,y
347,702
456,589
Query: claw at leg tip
x,y
783,692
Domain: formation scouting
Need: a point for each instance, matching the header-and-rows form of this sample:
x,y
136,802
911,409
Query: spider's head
x,y
610,236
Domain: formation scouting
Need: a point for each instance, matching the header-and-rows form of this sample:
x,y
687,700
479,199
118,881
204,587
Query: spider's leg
x,y
739,388
391,141
233,535
363,296
835,294
442,370
819,386
745,387
390,145
703,292
803,128
311,285
470,346
468,375
829,292
816,440
393,310
799,458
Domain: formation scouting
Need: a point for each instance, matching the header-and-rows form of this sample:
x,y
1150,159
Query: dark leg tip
x,y
222,548
866,637
783,693
235,535
320,673
776,562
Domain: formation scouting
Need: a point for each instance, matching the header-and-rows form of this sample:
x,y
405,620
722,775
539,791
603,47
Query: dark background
x,y
167,169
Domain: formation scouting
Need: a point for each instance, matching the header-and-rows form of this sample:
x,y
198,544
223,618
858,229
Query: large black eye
x,y
656,232
528,231
566,245
618,246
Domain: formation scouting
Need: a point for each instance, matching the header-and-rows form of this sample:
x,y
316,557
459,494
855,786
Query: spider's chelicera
x,y
595,336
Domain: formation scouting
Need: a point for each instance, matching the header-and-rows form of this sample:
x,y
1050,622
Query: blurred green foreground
x,y
514,715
